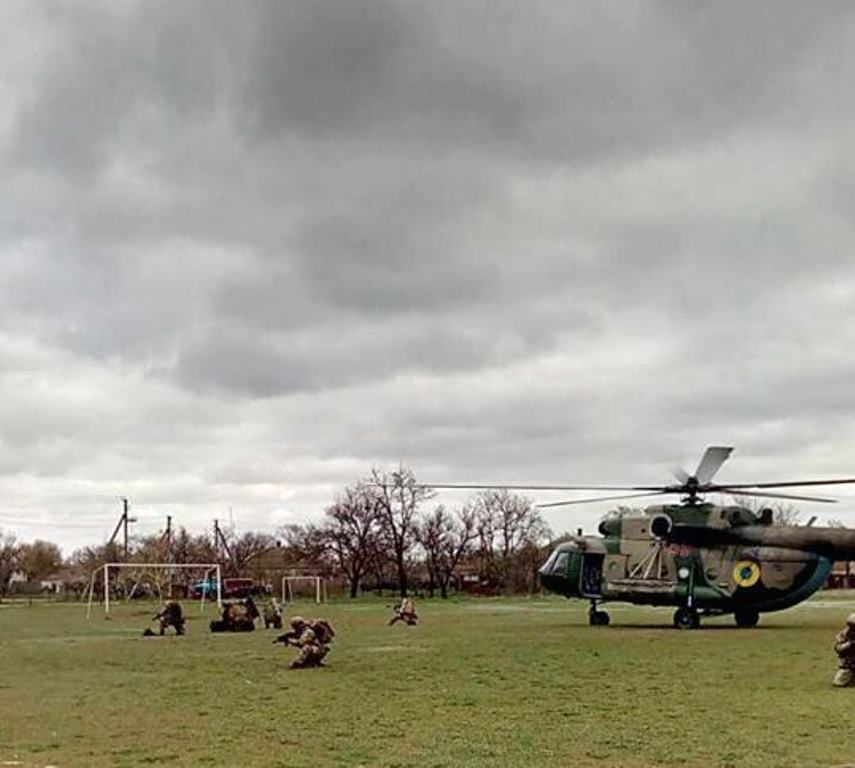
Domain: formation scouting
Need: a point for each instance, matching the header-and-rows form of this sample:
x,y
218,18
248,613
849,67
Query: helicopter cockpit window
x,y
547,566
559,567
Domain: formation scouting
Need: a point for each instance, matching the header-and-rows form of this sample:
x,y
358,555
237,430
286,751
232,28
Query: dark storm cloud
x,y
246,252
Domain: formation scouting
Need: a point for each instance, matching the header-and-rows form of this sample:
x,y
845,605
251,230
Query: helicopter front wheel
x,y
746,618
598,618
686,618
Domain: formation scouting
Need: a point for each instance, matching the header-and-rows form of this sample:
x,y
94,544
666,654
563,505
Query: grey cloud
x,y
333,354
246,253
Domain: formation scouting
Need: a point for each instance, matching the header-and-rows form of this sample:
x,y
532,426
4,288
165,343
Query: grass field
x,y
479,683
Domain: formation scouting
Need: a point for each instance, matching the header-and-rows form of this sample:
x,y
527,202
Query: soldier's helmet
x,y
297,622
851,619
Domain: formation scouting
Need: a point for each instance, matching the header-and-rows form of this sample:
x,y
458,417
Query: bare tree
x,y
786,514
306,548
399,497
782,513
187,548
446,539
506,522
247,547
351,531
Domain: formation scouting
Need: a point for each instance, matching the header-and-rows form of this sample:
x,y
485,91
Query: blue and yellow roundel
x,y
746,573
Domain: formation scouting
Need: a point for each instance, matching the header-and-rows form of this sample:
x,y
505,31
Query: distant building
x,y
842,576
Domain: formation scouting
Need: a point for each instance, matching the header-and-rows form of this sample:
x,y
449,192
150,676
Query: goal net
x,y
311,587
152,577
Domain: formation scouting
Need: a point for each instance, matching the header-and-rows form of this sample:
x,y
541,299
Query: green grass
x,y
478,683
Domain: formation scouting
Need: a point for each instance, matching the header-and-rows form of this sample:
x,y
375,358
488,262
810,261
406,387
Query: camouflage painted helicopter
x,y
703,558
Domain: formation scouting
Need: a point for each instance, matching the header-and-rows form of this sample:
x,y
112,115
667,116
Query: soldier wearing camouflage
x,y
238,616
312,652
405,612
171,616
844,647
272,615
311,637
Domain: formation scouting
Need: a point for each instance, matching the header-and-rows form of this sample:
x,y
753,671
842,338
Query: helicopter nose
x,y
547,579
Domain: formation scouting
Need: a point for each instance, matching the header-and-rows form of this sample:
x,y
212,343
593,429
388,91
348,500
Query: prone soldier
x,y
844,647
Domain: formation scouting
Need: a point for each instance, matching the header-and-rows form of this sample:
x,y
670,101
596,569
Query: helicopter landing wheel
x,y
598,618
686,618
746,618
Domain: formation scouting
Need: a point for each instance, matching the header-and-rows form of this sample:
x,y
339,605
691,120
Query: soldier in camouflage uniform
x,y
844,647
312,638
311,651
405,612
171,616
238,616
272,615
321,627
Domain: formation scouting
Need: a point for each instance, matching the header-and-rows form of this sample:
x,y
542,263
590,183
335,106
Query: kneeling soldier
x,y
312,638
171,616
272,615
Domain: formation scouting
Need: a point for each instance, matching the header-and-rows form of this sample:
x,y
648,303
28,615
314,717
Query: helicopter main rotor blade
x,y
505,486
792,483
602,498
711,462
680,475
741,492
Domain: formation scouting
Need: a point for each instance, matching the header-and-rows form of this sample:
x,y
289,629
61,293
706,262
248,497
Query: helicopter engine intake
x,y
661,525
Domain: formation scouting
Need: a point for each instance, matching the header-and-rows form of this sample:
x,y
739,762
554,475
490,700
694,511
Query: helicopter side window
x,y
559,568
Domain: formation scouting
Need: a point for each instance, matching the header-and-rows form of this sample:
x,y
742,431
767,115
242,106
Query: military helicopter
x,y
702,558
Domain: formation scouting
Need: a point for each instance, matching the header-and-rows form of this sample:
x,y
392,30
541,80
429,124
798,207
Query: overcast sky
x,y
250,250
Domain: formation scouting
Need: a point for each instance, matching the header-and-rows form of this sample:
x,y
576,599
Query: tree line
x,y
384,531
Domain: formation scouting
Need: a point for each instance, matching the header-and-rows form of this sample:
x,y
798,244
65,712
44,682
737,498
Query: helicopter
x,y
704,559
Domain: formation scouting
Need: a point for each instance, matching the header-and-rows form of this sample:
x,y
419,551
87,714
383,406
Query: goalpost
x,y
206,568
288,589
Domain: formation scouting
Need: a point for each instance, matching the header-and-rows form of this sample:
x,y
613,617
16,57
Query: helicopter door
x,y
592,575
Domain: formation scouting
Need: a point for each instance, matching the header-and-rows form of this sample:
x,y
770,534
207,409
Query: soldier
x,y
312,652
311,637
298,624
238,616
405,612
273,615
252,611
171,616
321,627
844,647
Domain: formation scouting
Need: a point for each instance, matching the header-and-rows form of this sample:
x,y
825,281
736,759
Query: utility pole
x,y
167,537
123,525
220,541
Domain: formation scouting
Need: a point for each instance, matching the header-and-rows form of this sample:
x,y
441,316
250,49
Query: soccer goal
x,y
206,569
315,583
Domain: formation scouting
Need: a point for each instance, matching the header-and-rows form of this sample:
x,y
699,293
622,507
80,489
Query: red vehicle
x,y
239,587
233,587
